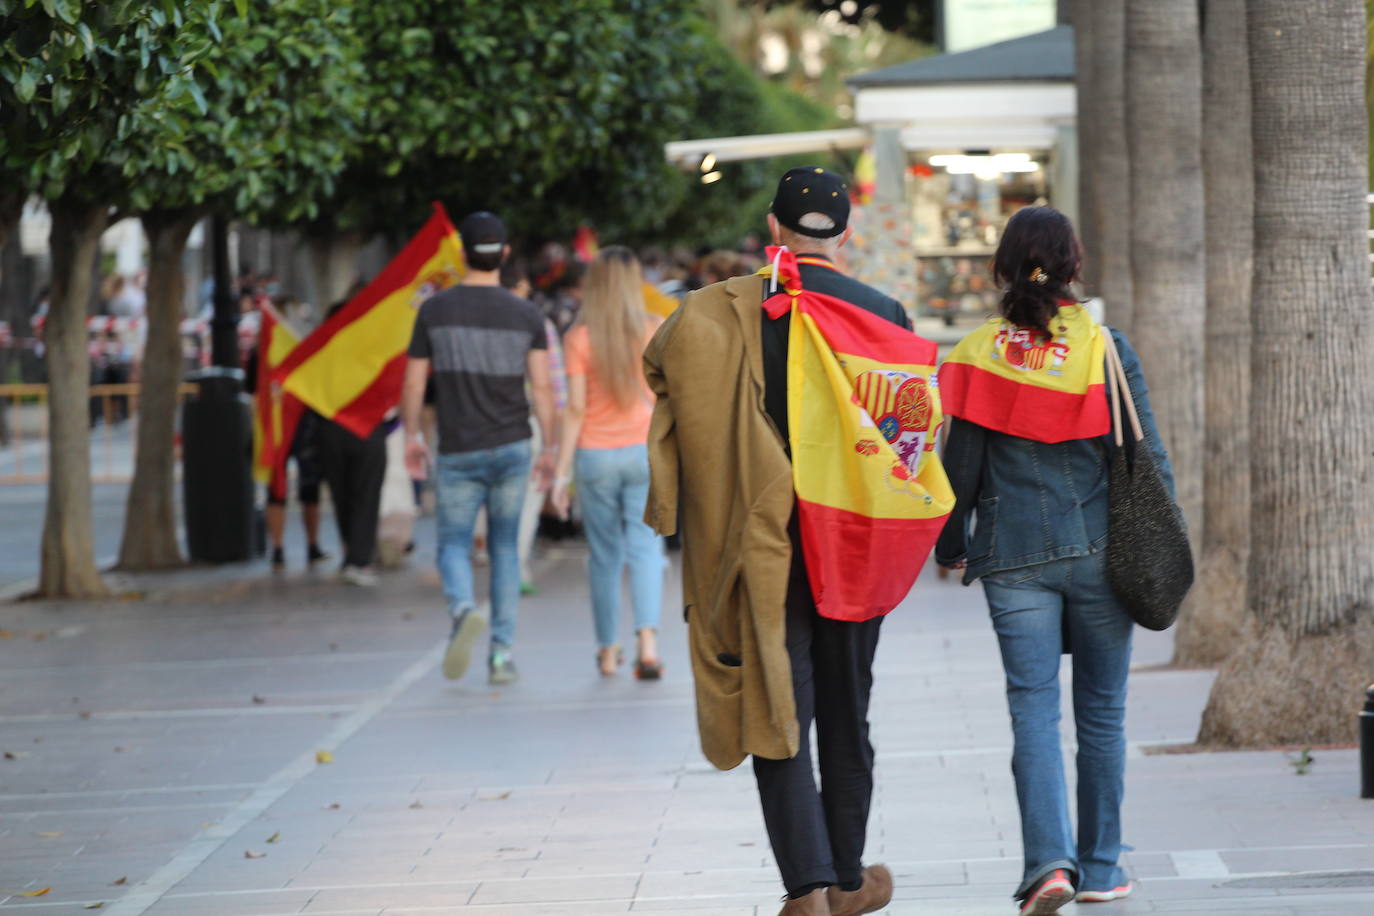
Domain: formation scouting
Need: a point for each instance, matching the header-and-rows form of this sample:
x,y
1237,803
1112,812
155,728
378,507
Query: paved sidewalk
x,y
161,742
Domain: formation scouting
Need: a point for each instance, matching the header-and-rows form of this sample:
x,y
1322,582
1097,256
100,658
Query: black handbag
x,y
1149,560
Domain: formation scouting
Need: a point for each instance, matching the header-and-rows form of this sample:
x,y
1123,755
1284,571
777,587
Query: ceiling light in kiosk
x,y
712,177
708,162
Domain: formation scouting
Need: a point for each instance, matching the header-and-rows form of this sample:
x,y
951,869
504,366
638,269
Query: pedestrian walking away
x,y
766,663
482,343
604,436
1028,456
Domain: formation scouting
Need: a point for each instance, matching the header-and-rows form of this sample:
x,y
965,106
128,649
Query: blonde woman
x,y
603,438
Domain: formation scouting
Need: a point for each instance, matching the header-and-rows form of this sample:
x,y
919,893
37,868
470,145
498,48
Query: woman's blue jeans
x,y
613,487
1034,610
496,478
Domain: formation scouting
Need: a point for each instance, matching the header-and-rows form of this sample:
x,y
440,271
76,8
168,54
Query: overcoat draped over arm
x,y
719,466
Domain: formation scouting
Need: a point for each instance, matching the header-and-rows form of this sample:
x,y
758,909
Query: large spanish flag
x,y
1025,383
864,415
275,413
351,367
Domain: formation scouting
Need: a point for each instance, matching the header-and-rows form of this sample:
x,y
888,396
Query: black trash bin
x,y
217,478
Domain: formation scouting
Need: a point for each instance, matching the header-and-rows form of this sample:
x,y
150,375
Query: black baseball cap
x,y
482,233
810,189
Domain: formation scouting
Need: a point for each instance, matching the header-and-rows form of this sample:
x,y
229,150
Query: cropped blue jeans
x,y
1034,610
496,478
613,487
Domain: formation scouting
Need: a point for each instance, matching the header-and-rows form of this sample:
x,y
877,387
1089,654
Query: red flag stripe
x,y
1018,409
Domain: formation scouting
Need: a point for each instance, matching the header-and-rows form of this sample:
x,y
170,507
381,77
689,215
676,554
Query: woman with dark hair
x,y
1028,451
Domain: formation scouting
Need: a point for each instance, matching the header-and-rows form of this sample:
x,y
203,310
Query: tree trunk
x,y
1104,183
68,560
1164,126
334,262
150,524
1208,625
1298,673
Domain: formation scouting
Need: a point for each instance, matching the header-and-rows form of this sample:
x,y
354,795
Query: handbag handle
x,y
1117,382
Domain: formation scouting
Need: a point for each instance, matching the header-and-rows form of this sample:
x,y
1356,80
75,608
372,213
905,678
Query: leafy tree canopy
x,y
77,80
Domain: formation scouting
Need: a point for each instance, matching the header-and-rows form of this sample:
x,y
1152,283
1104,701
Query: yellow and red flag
x,y
864,415
1024,383
275,413
351,367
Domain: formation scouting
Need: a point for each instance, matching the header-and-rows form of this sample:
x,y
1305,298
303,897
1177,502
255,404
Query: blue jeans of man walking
x,y
1034,610
612,487
496,478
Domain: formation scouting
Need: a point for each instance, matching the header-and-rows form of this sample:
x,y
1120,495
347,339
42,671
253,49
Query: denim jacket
x,y
1034,501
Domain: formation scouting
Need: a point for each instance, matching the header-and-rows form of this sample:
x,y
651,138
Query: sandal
x,y
646,670
609,660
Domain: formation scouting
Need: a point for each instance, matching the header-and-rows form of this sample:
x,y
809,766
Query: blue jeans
x,y
613,486
467,481
1034,609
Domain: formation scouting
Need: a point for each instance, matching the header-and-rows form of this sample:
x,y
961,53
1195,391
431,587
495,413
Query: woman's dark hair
x,y
1037,259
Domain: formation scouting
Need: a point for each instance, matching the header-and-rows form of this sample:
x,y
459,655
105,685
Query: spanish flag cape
x,y
1020,382
351,367
275,413
864,414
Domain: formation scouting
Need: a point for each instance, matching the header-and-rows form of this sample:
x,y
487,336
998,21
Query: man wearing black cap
x,y
766,663
482,342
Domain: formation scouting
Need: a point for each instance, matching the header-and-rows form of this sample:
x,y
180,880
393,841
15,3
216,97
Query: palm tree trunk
x,y
1300,668
1168,280
1104,187
1207,627
150,525
68,558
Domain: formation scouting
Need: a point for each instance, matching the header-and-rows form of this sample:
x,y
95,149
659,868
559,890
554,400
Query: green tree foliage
x,y
550,111
264,124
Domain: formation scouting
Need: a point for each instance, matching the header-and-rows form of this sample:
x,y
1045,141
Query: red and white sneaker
x,y
1053,891
1115,893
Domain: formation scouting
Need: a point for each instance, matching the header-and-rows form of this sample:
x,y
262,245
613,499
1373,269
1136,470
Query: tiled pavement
x,y
162,741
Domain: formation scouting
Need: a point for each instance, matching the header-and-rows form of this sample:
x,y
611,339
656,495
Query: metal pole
x,y
224,326
1367,745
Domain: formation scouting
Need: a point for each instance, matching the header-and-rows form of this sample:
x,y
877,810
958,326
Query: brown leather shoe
x,y
813,904
875,894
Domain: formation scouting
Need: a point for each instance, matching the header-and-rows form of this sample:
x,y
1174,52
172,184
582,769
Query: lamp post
x,y
1367,745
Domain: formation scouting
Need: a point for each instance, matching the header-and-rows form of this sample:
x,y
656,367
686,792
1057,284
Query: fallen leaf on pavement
x,y
324,757
416,804
120,883
39,637
250,854
50,834
16,755
259,700
335,806
6,634
276,837
502,797
94,906
119,750
37,893
85,714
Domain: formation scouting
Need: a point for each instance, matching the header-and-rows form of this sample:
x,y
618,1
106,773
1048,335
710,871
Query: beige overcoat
x,y
718,463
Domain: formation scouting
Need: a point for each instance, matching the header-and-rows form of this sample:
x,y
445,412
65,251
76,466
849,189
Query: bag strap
x,y
1118,383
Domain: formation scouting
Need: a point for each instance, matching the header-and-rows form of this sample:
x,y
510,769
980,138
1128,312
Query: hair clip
x,y
1039,276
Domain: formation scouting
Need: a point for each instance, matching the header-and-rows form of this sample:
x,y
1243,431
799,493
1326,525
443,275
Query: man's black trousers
x,y
354,469
818,837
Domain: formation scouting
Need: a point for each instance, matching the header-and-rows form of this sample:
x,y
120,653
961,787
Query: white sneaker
x,y
358,575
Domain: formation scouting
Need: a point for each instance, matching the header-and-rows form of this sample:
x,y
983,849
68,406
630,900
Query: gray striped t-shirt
x,y
478,340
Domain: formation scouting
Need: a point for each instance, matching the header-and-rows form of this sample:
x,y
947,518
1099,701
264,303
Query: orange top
x,y
606,424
